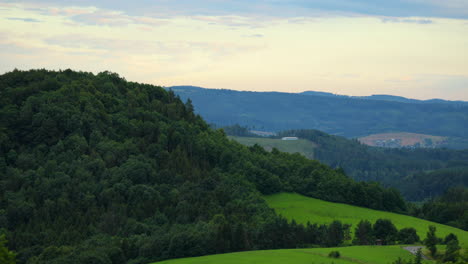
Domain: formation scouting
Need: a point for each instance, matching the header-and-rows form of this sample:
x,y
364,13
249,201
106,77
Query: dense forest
x,y
339,115
95,169
418,173
451,208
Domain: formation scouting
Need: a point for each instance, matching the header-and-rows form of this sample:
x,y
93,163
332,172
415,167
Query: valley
x,y
417,173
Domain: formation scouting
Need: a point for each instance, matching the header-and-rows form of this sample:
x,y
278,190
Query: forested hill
x,y
95,169
418,173
340,115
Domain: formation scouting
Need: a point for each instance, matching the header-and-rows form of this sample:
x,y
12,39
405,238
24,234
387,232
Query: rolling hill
x,y
96,169
384,97
303,209
418,173
349,255
338,115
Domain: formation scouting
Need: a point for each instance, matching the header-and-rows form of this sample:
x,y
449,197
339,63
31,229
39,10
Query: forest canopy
x,y
96,169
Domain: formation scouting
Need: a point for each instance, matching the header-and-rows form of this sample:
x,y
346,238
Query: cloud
x,y
91,15
30,20
235,21
253,36
142,47
407,20
102,18
115,18
276,8
67,11
275,43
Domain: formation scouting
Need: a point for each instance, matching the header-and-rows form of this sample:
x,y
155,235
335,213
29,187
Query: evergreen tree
x,y
431,240
418,258
449,238
6,256
452,251
335,234
363,234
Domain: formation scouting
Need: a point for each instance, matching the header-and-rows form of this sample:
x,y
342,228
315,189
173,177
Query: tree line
x,y
451,208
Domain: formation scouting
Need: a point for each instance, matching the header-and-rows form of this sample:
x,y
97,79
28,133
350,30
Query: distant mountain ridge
x,y
381,97
385,97
335,114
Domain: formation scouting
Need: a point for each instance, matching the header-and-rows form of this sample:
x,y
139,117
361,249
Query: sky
x,y
411,48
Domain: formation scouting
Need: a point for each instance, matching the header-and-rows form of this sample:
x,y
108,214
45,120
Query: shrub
x,y
334,254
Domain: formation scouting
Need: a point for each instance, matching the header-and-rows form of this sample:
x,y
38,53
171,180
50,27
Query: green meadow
x,y
303,146
303,209
349,255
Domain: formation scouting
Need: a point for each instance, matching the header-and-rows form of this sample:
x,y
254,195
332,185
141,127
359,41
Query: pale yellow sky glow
x,y
417,57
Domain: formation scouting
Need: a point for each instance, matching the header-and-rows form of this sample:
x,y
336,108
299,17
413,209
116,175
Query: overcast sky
x,y
412,48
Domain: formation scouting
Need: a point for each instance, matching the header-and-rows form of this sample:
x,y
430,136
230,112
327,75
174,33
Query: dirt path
x,y
414,249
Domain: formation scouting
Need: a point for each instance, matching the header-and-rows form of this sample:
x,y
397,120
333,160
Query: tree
x,y
452,251
335,234
384,229
6,256
401,261
418,258
431,240
363,233
449,238
407,236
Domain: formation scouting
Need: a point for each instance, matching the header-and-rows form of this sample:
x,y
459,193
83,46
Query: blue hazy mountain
x,y
347,116
385,97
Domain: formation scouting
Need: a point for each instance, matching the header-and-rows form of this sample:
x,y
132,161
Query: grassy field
x,y
349,255
303,209
303,146
406,139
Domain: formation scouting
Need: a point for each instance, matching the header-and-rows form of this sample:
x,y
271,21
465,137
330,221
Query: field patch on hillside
x,y
402,139
303,146
303,209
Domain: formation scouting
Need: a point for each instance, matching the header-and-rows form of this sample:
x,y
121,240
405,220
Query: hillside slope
x,y
303,209
95,169
349,255
345,116
303,146
418,173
